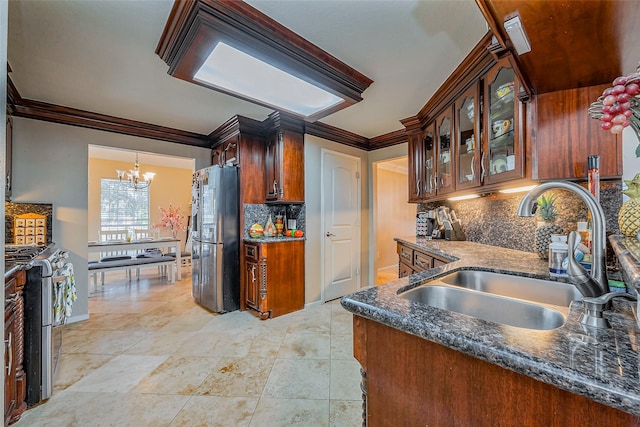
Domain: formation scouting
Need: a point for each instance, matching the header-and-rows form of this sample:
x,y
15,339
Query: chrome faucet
x,y
597,284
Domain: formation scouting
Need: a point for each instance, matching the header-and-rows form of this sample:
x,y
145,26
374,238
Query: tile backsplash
x,y
11,209
259,214
493,219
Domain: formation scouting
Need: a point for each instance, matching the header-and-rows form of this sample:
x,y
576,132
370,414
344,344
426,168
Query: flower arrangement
x,y
619,105
171,218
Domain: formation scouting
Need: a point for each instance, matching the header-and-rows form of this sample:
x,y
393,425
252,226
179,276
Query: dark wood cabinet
x,y
284,167
414,381
412,260
8,164
468,146
416,167
274,277
503,154
566,136
446,166
14,375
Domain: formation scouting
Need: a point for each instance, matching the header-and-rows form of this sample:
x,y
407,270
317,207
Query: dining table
x,y
136,246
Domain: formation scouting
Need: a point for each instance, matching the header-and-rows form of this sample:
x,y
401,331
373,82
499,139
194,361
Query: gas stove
x,y
22,253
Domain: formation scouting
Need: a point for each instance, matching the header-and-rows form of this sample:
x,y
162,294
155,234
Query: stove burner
x,y
18,253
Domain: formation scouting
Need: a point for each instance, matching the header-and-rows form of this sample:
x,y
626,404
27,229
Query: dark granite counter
x,y
628,251
599,364
272,239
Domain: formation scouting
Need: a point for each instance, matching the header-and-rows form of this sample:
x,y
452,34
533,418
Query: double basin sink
x,y
501,298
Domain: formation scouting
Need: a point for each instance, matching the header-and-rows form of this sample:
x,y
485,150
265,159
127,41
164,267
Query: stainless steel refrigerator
x,y
215,241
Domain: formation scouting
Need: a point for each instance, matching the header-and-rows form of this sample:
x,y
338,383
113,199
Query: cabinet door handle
x,y
420,263
9,346
405,255
482,173
275,187
253,273
330,234
418,187
12,298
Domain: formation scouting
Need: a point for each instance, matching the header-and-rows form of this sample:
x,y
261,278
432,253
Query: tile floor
x,y
150,356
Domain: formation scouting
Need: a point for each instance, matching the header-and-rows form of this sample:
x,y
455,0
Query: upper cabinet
x,y
467,142
284,167
502,152
445,153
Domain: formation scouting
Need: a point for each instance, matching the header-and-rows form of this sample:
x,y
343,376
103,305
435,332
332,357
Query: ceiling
x,y
99,56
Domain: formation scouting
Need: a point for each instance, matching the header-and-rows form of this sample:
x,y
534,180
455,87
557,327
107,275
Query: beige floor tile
x,y
345,413
345,380
298,379
216,411
102,321
341,323
110,342
73,367
291,412
237,377
305,346
159,343
177,375
342,347
191,322
181,362
146,322
120,374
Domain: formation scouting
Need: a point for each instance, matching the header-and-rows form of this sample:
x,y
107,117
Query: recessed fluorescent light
x,y
518,189
235,71
468,196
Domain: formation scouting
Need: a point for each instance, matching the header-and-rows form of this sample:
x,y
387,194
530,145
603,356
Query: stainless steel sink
x,y
487,306
535,290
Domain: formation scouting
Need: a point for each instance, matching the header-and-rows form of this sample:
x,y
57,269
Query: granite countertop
x,y
272,239
628,251
601,365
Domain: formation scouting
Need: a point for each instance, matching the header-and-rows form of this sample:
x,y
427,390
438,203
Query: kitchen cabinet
x,y
416,379
411,260
503,154
467,139
274,277
225,153
8,165
416,172
284,167
563,116
445,153
14,375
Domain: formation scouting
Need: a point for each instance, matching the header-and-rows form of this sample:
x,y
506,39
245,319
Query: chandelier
x,y
133,178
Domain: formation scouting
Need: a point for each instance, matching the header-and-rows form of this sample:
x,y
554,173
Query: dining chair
x,y
116,255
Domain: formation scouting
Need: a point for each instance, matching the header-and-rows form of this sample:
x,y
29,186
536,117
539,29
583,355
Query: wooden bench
x,y
128,264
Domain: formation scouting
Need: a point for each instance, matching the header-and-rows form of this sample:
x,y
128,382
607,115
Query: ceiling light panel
x,y
233,70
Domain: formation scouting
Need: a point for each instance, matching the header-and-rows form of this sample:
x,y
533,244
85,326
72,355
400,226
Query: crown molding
x,y
341,136
194,27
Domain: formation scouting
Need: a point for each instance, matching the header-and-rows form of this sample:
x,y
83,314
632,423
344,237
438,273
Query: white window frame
x,y
123,207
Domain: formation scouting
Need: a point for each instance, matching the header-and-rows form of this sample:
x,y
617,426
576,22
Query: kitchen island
x,y
427,366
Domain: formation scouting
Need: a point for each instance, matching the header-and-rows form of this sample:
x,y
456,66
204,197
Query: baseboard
x,y
312,304
393,267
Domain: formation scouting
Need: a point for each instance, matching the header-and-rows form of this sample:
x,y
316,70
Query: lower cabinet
x,y
14,375
413,260
274,277
410,381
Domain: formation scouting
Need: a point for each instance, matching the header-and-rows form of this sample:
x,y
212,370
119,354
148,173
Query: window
x,y
122,207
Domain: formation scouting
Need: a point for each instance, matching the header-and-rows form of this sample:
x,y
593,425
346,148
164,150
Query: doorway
x,y
340,210
393,216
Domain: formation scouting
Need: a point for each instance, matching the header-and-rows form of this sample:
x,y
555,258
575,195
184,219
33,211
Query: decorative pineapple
x,y
548,213
629,215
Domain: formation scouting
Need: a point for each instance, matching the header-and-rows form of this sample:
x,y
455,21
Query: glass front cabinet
x,y
502,157
468,146
446,166
473,142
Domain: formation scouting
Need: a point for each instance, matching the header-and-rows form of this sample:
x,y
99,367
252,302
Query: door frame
x,y
324,151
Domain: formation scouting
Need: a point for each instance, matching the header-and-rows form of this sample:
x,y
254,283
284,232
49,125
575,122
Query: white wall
x,y
50,165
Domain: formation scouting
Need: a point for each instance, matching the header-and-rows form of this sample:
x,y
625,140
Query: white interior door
x,y
340,206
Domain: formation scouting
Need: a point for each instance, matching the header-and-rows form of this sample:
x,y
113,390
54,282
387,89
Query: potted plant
x,y
548,213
